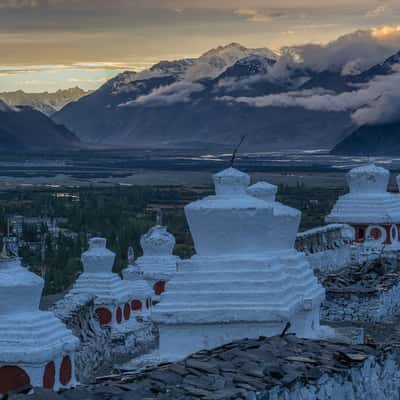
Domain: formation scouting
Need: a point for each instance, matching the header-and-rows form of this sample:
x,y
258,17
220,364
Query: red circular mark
x,y
159,287
136,305
148,303
49,377
127,312
12,378
376,233
388,239
119,315
66,371
104,315
359,233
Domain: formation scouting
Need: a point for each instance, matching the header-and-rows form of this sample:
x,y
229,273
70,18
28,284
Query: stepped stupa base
x,y
218,300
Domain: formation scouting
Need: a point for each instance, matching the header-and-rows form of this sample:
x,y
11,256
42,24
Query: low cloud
x,y
180,92
258,15
378,102
376,12
349,54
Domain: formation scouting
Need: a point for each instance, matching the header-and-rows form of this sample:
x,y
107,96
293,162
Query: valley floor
x,y
174,167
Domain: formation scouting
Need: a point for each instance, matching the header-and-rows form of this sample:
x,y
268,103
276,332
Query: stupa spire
x,y
158,264
35,347
246,279
113,298
372,212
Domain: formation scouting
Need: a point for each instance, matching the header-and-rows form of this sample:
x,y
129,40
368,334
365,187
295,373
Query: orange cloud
x,y
384,32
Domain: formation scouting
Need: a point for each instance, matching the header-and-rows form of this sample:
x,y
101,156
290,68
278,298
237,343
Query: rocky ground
x,y
367,279
267,368
368,292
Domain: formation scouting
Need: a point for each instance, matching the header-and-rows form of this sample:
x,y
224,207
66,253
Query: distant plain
x,y
103,168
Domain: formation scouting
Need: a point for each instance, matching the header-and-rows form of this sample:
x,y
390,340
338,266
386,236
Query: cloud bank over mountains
x,y
179,92
372,102
301,98
349,54
376,102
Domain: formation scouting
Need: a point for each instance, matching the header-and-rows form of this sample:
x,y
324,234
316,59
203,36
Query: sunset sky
x,y
52,44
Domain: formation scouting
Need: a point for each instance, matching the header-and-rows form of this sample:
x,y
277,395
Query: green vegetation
x,y
122,215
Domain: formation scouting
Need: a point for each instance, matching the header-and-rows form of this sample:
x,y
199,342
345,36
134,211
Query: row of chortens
x,y
253,275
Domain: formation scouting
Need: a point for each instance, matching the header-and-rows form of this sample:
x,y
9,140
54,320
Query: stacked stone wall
x,y
100,348
327,248
355,307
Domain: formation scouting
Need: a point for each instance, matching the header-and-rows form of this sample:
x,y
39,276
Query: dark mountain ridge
x,y
26,129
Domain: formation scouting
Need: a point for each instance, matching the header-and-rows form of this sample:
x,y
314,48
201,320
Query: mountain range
x,y
214,100
47,103
25,129
224,94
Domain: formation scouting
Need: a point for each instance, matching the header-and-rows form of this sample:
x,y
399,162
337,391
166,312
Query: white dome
x,y
368,200
236,222
157,242
20,290
98,258
368,179
98,278
263,191
230,182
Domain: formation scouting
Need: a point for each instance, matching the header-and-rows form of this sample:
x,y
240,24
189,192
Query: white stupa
x,y
371,211
35,347
139,288
113,298
246,280
157,264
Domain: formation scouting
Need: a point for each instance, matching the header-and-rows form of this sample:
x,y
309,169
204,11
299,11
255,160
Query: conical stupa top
x,y
98,259
368,179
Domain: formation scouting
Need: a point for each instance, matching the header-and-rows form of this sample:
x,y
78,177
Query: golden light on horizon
x,y
382,32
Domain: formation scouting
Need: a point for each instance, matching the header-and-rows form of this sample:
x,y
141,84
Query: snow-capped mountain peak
x,y
45,102
216,61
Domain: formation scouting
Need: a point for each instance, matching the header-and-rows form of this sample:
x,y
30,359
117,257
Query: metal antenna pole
x,y
236,150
